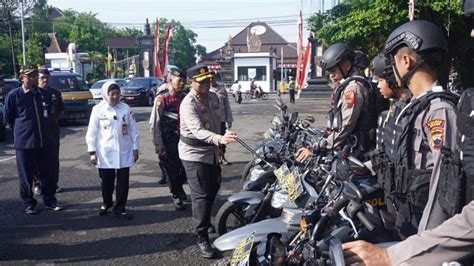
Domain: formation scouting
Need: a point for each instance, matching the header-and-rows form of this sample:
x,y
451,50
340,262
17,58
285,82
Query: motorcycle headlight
x,y
279,198
255,173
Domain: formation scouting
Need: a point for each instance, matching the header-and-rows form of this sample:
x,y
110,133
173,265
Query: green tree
x,y
365,24
182,46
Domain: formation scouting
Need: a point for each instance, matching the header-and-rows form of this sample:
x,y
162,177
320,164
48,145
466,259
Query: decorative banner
x,y
165,48
304,70
158,72
300,48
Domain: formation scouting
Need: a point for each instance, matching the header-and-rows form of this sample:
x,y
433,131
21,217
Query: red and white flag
x,y
304,68
158,72
299,50
165,48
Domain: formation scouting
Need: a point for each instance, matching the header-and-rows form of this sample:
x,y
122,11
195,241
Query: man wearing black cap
x,y
55,111
199,150
165,129
27,115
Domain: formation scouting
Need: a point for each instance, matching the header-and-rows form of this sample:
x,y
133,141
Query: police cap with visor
x,y
199,73
174,71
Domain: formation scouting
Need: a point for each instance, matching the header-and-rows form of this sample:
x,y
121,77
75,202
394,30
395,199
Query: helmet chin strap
x,y
405,79
345,75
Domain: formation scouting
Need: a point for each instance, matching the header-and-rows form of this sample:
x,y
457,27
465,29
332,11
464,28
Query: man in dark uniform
x,y
55,112
292,88
199,150
165,129
27,115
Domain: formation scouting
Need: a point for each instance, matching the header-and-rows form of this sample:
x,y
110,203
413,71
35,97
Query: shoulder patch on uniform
x,y
435,123
436,128
350,97
159,100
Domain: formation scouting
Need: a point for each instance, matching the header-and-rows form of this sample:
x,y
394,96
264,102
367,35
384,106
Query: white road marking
x,y
7,159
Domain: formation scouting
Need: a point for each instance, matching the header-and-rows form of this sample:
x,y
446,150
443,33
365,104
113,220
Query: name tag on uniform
x,y
45,113
124,129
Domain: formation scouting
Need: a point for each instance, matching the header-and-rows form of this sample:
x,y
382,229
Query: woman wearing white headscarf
x,y
112,142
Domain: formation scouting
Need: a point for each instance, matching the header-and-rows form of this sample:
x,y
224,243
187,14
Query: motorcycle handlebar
x,y
365,221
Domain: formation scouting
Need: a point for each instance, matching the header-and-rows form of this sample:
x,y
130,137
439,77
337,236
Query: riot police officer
x,y
417,50
351,103
27,115
428,123
199,150
165,128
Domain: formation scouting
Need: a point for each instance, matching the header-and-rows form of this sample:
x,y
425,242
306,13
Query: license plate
x,y
241,254
290,181
129,98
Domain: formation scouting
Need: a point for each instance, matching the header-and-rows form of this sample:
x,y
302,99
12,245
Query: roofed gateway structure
x,y
245,55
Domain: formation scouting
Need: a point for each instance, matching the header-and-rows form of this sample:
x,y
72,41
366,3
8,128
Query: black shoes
x,y
206,250
54,207
123,215
103,209
30,210
178,204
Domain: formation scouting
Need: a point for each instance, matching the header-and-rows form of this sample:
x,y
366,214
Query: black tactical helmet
x,y
381,66
361,60
419,35
335,54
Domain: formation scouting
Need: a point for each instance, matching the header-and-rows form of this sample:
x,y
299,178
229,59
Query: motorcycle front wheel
x,y
231,216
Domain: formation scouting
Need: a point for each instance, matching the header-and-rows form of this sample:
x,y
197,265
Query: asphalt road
x,y
157,234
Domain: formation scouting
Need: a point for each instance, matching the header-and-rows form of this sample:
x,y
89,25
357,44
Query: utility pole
x,y
23,32
11,42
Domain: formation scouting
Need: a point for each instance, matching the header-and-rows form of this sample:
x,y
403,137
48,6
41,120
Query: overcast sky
x,y
212,20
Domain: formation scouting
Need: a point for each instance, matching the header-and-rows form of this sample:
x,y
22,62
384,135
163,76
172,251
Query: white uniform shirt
x,y
112,133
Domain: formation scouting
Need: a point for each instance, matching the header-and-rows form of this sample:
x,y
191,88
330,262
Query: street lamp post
x,y
23,33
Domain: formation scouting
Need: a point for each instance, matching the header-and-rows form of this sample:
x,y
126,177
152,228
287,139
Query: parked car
x,y
141,91
76,95
96,89
10,84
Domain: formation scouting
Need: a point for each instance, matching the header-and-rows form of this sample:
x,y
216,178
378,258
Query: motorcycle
x,y
347,206
259,94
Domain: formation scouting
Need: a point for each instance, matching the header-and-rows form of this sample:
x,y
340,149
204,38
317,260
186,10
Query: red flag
x,y
158,72
165,48
300,50
304,70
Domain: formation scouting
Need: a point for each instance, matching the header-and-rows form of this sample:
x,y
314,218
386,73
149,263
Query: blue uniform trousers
x,y
27,161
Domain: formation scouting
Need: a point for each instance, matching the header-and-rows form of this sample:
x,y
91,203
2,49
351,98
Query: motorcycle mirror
x,y
337,121
329,118
293,117
352,192
310,119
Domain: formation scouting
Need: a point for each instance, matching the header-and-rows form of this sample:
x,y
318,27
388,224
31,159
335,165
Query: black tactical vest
x,y
456,181
384,157
367,122
410,187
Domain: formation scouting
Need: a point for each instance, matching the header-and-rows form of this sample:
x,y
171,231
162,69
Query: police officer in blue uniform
x,y
27,115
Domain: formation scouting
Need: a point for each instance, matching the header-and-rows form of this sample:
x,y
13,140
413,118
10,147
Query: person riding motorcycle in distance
x,y
350,102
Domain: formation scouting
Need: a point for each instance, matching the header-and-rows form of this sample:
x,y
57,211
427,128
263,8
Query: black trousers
x,y
292,96
28,162
223,129
54,165
108,179
204,180
174,167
